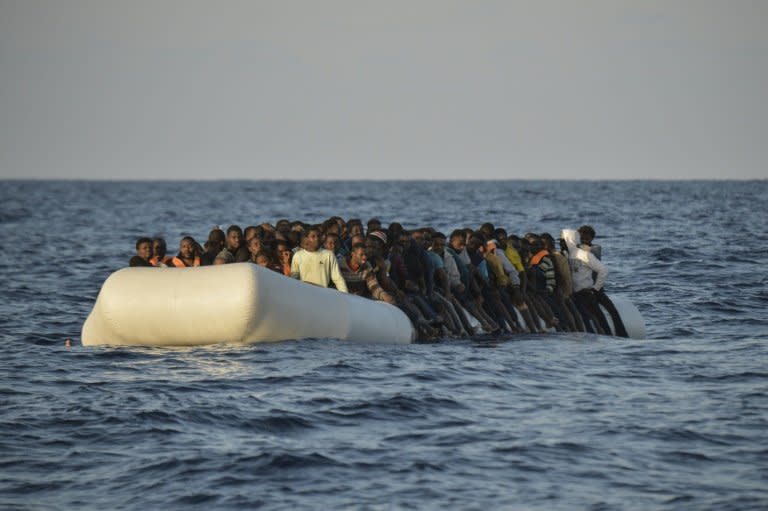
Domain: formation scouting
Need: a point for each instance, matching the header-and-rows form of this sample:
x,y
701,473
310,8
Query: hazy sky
x,y
390,89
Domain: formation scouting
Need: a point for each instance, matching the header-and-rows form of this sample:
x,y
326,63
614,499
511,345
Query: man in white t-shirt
x,y
316,265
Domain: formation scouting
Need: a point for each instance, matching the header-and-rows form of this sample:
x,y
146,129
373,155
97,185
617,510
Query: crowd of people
x,y
448,285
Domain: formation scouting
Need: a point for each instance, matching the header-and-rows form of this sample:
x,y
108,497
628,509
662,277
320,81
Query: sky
x,y
416,89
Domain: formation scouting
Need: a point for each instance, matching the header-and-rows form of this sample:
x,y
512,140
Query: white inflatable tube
x,y
630,316
234,303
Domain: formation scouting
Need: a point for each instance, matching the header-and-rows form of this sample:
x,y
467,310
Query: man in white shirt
x,y
316,265
583,265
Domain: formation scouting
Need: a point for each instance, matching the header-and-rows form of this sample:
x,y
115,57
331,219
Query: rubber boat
x,y
244,304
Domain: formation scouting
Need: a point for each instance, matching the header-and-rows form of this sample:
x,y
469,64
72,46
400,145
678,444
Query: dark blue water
x,y
675,421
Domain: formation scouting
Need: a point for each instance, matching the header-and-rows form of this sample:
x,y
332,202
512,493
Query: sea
x,y
677,421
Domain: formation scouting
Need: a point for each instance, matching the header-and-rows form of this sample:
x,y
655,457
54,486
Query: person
x,y
497,281
331,241
159,251
266,259
513,267
417,273
359,275
354,235
586,237
443,297
212,247
461,280
232,247
143,253
186,258
375,253
585,286
242,254
543,281
252,231
316,265
254,247
284,256
563,285
373,225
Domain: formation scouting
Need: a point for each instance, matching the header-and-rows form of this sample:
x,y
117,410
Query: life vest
x,y
538,274
536,259
166,261
178,262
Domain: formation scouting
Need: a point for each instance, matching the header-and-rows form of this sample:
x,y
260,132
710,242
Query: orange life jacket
x,y
178,262
155,261
538,257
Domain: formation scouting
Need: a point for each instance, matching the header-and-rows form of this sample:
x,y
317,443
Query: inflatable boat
x,y
245,303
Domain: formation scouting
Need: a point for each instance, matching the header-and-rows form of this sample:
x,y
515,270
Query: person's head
x,y
476,243
159,247
487,229
283,225
491,246
438,242
311,239
354,227
342,225
251,231
548,240
375,244
421,237
293,238
587,234
254,246
216,240
356,238
522,245
144,248
536,244
393,232
331,226
357,254
331,242
374,224
187,247
234,237
298,226
263,259
284,252
457,241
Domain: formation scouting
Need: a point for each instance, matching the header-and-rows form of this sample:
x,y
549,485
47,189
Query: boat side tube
x,y
633,321
234,303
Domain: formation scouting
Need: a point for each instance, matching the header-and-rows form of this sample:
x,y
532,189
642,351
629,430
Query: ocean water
x,y
562,421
